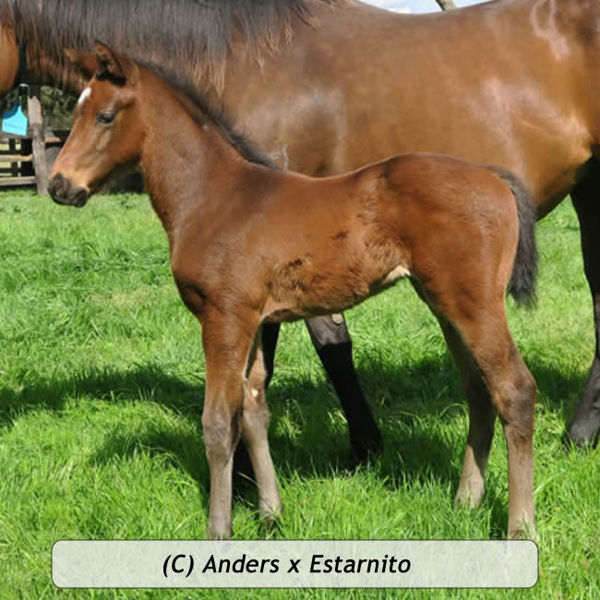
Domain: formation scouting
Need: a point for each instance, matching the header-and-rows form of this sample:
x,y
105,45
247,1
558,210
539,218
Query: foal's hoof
x,y
218,533
524,531
469,496
270,525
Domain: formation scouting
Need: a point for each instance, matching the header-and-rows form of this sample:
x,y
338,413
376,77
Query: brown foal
x,y
251,244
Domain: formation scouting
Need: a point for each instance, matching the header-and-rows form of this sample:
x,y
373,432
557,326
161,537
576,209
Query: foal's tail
x,y
522,280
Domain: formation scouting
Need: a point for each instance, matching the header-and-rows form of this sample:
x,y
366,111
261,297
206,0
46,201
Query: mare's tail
x,y
522,280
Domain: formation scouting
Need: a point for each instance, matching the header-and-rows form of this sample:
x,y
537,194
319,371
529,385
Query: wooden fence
x,y
25,160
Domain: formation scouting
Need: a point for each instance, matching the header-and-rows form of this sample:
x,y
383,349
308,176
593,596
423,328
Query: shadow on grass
x,y
313,445
143,382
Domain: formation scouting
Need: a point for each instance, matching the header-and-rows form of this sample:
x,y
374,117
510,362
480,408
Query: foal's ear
x,y
85,62
110,65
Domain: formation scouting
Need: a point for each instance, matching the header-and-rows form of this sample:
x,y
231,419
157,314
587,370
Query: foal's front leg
x,y
227,343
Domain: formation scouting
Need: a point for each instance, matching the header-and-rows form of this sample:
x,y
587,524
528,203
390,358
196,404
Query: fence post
x,y
36,122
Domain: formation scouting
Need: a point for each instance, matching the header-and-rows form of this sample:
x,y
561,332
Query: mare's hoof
x,y
366,447
580,437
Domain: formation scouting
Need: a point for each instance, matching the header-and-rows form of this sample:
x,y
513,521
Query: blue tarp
x,y
14,121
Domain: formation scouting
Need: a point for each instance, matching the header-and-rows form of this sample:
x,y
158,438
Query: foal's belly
x,y
309,294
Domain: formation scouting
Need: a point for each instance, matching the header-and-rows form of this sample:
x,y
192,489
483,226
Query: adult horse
x,y
509,82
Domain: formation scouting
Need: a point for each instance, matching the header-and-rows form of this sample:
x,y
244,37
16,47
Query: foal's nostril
x,y
57,187
80,197
63,192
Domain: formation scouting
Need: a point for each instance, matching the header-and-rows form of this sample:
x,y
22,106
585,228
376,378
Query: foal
x,y
251,244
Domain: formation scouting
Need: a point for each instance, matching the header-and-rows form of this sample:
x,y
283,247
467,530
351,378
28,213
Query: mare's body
x,y
251,245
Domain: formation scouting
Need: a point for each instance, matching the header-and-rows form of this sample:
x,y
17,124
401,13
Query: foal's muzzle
x,y
63,192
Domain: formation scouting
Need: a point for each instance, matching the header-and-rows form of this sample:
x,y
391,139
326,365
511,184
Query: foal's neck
x,y
187,160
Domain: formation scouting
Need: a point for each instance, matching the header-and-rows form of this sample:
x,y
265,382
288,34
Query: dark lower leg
x,y
585,424
269,335
334,347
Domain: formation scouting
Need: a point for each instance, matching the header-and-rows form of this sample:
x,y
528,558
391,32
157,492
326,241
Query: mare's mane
x,y
174,33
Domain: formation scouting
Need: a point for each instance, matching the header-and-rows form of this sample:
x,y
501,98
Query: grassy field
x,y
101,385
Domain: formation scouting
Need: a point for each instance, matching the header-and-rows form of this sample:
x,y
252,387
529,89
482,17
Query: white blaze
x,y
84,96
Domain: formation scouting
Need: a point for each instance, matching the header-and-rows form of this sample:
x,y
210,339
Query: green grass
x,y
101,384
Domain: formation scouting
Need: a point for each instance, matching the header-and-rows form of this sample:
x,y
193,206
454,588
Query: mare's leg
x,y
255,427
269,335
332,341
585,424
483,332
227,344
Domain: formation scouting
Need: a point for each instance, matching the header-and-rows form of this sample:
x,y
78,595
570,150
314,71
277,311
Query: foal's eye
x,y
105,118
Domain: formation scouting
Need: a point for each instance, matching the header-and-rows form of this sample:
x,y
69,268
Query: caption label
x,y
294,564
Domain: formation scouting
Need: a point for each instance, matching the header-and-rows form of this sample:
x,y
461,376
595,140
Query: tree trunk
x,y
446,4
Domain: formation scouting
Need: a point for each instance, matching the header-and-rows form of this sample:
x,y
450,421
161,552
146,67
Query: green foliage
x,y
7,101
58,106
101,384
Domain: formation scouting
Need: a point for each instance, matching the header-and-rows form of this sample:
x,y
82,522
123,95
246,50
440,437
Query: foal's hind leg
x,y
255,426
484,335
481,421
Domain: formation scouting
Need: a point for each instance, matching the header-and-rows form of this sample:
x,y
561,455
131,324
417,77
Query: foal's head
x,y
108,129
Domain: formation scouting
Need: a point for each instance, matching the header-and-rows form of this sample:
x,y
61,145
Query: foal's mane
x,y
173,33
201,109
